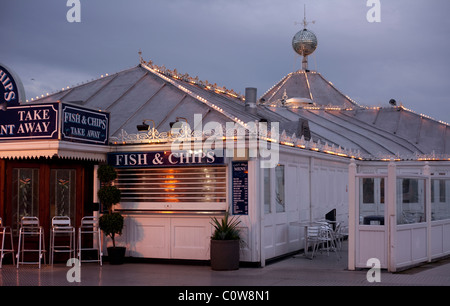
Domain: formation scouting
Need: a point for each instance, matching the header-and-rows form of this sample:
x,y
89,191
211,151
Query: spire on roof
x,y
304,42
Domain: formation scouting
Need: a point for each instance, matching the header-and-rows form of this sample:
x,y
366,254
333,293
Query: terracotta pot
x,y
224,254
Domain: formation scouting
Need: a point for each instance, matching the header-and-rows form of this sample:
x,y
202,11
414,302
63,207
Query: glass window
x,y
25,196
410,190
267,187
410,200
368,190
279,189
371,200
63,193
440,200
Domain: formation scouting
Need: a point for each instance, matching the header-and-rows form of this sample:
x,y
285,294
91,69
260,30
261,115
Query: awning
x,y
53,148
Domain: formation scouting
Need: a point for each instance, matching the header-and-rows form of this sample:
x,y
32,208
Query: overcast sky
x,y
237,44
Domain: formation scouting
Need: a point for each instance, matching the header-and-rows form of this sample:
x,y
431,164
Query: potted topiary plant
x,y
225,243
111,222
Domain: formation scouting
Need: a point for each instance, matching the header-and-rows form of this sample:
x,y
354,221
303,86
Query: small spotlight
x,y
142,127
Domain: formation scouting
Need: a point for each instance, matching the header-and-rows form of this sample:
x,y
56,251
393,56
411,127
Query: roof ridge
x,y
194,95
78,85
185,77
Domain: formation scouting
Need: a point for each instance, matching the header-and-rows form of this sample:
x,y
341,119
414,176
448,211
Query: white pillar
x,y
96,186
254,212
391,224
259,212
352,226
427,172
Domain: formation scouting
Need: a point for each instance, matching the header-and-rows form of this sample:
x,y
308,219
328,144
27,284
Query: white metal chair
x,y
6,230
340,233
327,239
312,239
61,226
29,226
89,225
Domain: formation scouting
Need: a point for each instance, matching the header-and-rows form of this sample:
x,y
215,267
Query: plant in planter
x,y
225,243
111,223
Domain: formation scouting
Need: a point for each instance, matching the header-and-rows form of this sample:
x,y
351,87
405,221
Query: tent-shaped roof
x,y
148,91
310,85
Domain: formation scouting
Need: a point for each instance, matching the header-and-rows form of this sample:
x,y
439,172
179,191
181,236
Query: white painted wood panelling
x,y
190,238
313,187
169,237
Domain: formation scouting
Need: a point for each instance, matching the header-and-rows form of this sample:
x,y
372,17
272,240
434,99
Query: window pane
x,y
410,190
25,196
440,201
63,193
267,208
382,190
410,201
279,188
371,201
368,190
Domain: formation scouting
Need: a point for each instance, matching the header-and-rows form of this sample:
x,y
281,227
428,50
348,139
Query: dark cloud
x,y
237,43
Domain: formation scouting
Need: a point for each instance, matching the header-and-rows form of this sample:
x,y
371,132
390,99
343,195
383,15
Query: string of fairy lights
x,y
173,76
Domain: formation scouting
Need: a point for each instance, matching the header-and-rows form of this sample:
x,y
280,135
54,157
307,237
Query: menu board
x,y
240,188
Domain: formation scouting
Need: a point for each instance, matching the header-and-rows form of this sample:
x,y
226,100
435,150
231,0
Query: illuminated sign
x,y
83,125
162,159
38,121
11,89
54,121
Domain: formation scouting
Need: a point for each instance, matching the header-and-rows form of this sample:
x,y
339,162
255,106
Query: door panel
x,y
45,189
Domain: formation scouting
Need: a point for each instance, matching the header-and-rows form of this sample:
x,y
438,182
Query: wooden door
x,y
44,189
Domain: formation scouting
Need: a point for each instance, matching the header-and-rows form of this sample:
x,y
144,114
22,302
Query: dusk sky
x,y
237,44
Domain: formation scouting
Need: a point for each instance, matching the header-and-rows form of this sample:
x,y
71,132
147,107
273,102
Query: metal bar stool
x,y
6,230
89,225
61,226
30,226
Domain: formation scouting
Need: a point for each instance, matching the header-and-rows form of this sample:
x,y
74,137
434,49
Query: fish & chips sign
x,y
83,125
54,121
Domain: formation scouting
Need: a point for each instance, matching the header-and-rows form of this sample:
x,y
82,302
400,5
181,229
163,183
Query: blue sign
x,y
83,125
38,121
240,187
10,88
163,159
